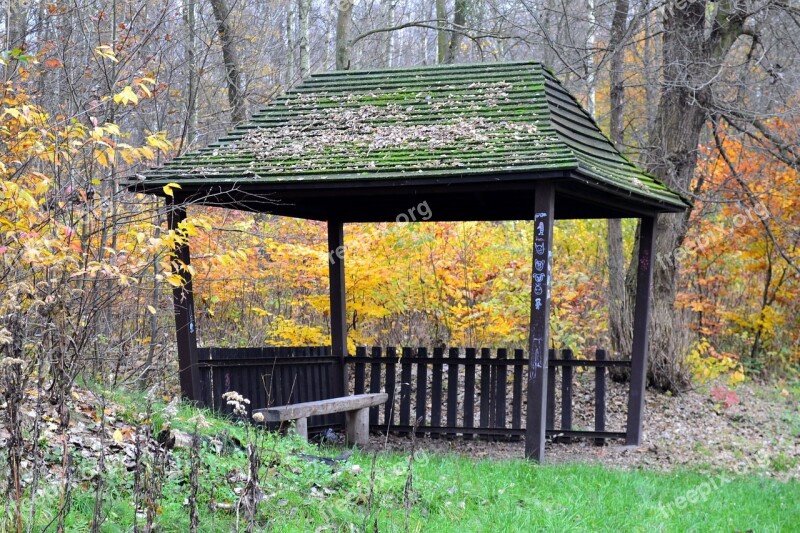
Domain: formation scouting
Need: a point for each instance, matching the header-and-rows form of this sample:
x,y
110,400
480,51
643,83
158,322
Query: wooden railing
x,y
271,376
473,393
469,392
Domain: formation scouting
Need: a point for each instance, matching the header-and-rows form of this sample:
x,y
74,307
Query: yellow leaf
x,y
159,140
147,152
168,188
102,159
128,156
126,96
117,436
107,52
151,309
176,280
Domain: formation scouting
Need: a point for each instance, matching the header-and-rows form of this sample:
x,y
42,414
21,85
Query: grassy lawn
x,y
447,493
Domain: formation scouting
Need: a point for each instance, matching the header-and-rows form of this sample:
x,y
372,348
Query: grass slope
x,y
447,492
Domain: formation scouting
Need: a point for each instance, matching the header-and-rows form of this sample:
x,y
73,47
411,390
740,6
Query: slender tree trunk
x,y
389,36
291,30
16,24
591,77
189,14
343,18
650,61
442,37
304,12
459,22
330,15
233,77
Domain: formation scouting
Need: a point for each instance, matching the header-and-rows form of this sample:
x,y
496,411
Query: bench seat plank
x,y
322,407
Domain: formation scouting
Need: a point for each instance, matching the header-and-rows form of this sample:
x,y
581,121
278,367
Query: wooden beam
x,y
641,324
183,303
544,209
337,299
321,407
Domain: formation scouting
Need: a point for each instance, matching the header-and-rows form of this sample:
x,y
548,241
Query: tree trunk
x,y
620,330
442,37
233,78
459,21
189,14
16,24
291,19
591,74
343,18
304,12
694,49
330,24
389,36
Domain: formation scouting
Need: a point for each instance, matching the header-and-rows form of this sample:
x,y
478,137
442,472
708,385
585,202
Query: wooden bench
x,y
356,409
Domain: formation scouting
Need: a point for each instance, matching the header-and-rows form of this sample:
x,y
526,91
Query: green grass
x,y
449,493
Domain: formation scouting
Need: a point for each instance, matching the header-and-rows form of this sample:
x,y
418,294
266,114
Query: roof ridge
x,y
493,65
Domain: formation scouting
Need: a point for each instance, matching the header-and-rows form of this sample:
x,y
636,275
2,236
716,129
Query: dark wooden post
x,y
337,296
566,395
600,396
183,303
544,203
551,392
644,282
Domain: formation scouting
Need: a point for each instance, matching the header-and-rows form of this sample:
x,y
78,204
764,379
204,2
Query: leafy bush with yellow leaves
x,y
707,364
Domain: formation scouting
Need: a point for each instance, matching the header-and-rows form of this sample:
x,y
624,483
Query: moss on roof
x,y
416,122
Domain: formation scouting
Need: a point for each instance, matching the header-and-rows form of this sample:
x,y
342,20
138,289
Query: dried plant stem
x,y
194,466
97,515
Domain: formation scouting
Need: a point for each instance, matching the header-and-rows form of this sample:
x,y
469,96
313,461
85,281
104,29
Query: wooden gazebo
x,y
487,142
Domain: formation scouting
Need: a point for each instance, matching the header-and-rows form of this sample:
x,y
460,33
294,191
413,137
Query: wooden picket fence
x,y
471,393
440,393
271,376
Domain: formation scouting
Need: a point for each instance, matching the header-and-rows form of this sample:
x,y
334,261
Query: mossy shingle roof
x,y
448,122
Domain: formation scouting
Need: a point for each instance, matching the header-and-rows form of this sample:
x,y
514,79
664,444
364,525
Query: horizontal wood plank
x,y
321,407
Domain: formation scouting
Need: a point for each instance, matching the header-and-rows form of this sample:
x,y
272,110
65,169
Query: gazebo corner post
x,y
183,305
336,255
641,324
544,209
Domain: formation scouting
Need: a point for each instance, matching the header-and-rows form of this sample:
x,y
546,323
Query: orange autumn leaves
x,y
741,287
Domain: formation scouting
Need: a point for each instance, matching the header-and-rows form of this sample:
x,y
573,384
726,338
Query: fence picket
x,y
516,405
600,397
405,390
359,376
566,395
375,383
501,379
550,420
469,391
486,392
391,384
436,391
453,363
422,391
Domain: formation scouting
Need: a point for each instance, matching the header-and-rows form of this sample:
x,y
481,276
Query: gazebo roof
x,y
365,145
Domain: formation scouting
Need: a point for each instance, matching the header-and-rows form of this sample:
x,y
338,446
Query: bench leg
x,y
301,427
357,426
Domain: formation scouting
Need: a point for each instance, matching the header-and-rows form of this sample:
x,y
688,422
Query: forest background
x,y
702,94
